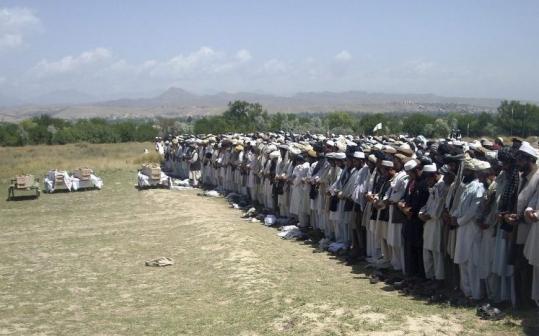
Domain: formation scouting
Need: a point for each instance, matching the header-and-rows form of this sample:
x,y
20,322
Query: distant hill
x,y
176,102
71,97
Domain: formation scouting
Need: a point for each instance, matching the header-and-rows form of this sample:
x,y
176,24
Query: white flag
x,y
377,127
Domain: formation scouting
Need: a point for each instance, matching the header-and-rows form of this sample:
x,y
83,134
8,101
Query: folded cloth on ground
x,y
181,183
290,232
250,213
160,262
270,220
335,247
212,193
180,188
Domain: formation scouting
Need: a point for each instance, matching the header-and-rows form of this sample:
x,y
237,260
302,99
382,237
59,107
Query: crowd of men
x,y
461,214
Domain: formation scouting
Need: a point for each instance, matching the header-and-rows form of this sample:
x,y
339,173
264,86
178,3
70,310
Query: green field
x,y
73,264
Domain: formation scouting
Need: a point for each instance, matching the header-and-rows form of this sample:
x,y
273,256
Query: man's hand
x,y
407,212
511,218
424,216
531,215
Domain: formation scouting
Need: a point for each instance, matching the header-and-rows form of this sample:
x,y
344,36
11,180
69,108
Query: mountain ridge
x,y
176,102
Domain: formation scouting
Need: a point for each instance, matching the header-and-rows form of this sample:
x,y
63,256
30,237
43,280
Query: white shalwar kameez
x,y
373,245
394,194
281,172
531,248
333,216
297,198
319,203
433,258
469,238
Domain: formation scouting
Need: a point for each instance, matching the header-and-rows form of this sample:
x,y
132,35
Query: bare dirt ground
x,y
73,264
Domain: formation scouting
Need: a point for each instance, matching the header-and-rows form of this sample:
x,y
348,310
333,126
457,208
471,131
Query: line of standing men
x,y
459,214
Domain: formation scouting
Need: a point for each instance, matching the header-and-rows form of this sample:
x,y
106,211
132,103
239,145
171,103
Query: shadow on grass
x,y
22,198
422,290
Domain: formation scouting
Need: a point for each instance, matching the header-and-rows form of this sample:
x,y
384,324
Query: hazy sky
x,y
114,48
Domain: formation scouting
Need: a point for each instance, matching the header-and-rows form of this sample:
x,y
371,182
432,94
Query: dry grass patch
x,y
39,159
73,264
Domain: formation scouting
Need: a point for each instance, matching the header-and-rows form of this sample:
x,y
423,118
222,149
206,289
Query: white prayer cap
x,y
330,143
372,158
410,165
388,164
252,143
274,155
482,165
359,155
340,156
350,143
525,147
430,168
378,146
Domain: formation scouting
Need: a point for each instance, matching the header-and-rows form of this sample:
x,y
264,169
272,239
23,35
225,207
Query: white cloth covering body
x,y
145,181
50,181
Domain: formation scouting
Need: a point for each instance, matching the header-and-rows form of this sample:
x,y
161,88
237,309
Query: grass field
x,y
73,264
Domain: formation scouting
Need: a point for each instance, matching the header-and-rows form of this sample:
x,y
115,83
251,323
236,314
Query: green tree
x,y
244,115
341,120
414,123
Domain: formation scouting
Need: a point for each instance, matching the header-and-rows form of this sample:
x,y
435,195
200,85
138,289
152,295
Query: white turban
x,y
430,168
528,149
359,155
340,156
388,164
